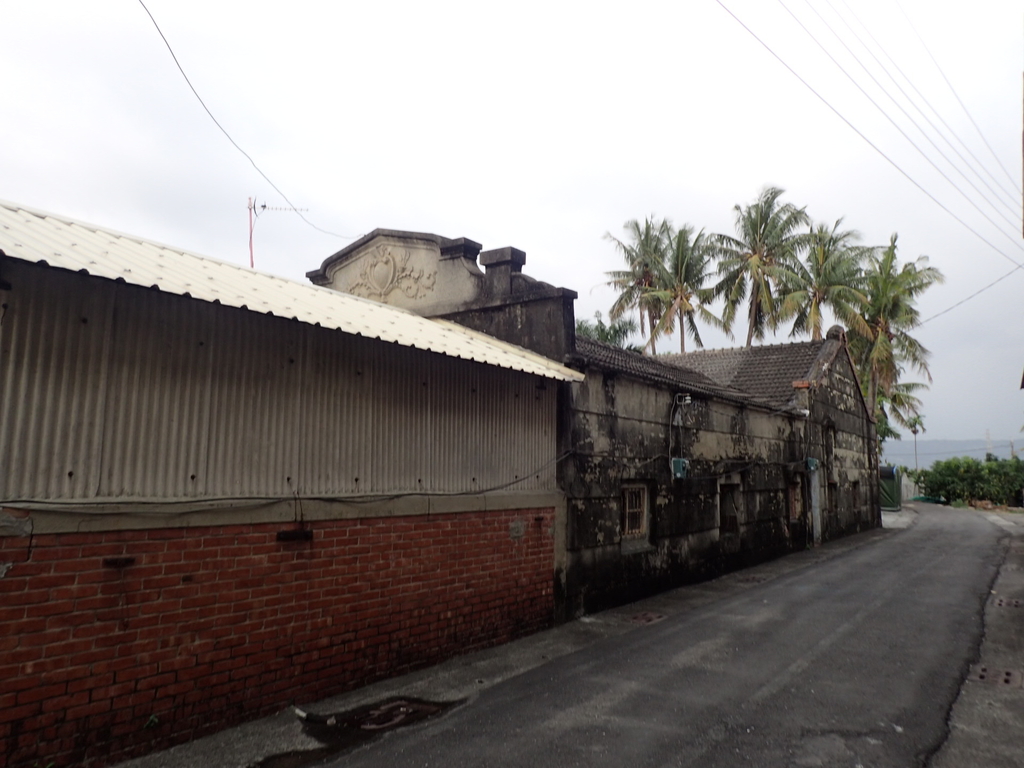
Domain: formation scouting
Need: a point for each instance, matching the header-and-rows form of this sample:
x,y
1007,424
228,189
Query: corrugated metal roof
x,y
57,241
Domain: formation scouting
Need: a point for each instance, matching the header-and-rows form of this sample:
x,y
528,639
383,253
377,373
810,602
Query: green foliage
x,y
645,251
777,267
967,479
829,276
751,264
883,427
882,346
616,332
915,475
666,270
679,286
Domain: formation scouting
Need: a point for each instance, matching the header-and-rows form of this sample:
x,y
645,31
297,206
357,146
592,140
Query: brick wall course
x,y
211,626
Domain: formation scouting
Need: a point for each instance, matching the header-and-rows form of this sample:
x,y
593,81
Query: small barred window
x,y
634,510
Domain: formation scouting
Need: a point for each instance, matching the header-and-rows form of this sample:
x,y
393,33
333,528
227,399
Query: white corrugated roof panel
x,y
60,242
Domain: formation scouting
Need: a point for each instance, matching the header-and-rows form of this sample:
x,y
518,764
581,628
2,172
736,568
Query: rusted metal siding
x,y
114,392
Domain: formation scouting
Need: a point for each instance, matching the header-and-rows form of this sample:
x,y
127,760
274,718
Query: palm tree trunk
x,y
752,313
872,391
653,324
682,332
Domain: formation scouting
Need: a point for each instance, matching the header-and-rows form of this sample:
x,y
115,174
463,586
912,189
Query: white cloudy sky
x,y
538,125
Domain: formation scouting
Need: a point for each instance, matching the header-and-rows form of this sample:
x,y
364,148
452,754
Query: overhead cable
x,y
1012,206
870,143
959,100
228,135
968,298
1011,237
1012,195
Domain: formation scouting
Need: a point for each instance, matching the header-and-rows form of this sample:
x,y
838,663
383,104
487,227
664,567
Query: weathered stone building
x,y
684,466
673,468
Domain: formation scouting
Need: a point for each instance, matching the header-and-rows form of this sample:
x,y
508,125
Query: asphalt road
x,y
852,661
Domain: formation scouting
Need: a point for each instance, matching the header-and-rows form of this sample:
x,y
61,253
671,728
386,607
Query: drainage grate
x,y
1010,677
1005,602
647,617
386,714
397,712
341,731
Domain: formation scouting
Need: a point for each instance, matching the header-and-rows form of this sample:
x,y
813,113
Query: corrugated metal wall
x,y
113,392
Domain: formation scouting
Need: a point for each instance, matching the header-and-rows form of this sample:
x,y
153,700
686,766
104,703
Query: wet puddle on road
x,y
341,731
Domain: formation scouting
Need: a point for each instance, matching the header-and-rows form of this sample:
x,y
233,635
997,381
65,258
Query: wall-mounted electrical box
x,y
680,468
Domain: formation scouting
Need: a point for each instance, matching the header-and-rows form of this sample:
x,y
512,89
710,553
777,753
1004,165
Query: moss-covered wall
x,y
746,497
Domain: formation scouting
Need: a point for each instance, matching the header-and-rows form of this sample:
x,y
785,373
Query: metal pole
x,y
251,262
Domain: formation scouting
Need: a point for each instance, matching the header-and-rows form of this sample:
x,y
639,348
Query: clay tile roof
x,y
766,372
656,370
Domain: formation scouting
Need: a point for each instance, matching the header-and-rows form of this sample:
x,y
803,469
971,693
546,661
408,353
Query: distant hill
x,y
901,452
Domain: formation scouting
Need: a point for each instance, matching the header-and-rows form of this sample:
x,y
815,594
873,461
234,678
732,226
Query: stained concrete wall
x,y
746,497
842,438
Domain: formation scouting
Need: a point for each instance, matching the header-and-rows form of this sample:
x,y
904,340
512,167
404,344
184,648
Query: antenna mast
x,y
254,213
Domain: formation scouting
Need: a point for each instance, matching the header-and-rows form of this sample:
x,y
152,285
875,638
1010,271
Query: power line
x,y
1012,238
1012,206
968,298
857,59
228,135
870,143
934,127
1013,195
959,100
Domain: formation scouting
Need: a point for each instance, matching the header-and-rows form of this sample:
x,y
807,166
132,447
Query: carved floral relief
x,y
386,270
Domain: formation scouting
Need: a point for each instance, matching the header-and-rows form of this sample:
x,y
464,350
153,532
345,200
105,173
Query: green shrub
x,y
966,479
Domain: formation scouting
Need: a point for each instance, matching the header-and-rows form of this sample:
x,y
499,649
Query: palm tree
x,y
616,332
902,403
679,286
829,276
767,240
899,407
644,249
885,346
915,424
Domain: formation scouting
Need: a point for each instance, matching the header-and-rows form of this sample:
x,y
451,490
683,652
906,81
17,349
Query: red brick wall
x,y
212,626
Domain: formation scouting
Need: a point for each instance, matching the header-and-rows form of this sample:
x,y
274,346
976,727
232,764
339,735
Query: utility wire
x,y
968,298
1012,195
959,100
1013,210
228,135
857,59
870,143
1012,206
1012,238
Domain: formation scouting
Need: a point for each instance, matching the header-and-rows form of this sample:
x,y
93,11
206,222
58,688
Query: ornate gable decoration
x,y
386,269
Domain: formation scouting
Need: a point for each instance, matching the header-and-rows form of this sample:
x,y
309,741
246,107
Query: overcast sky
x,y
542,126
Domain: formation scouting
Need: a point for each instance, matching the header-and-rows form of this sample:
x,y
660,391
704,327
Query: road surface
x,y
851,661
